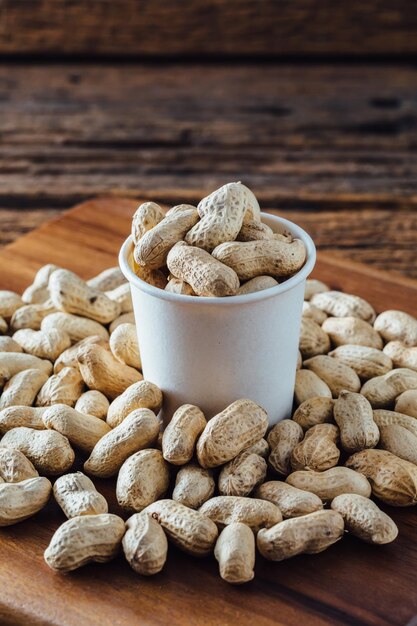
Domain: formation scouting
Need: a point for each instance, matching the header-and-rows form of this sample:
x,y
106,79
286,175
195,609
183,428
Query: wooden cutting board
x,y
351,583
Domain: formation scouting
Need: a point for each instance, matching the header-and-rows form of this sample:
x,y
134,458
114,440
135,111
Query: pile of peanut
x,y
71,386
219,248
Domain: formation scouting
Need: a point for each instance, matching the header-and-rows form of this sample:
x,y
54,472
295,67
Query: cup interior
x,y
278,225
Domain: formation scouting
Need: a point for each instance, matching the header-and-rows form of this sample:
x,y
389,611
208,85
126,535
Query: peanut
x,y
318,450
21,500
122,295
7,344
402,355
329,484
270,257
240,476
221,214
383,390
179,286
103,372
364,519
62,388
11,363
82,431
44,344
225,510
239,426
84,539
397,326
76,327
93,403
191,531
282,440
353,331
31,315
309,385
399,441
153,277
313,340
314,286
107,280
382,417
140,395
292,502
180,436
253,231
253,211
193,486
407,403
77,495
138,430
367,362
309,534
335,374
147,215
69,357
205,275
340,304
37,292
3,326
393,480
124,345
49,451
9,303
315,410
261,447
312,312
259,283
22,388
125,318
14,416
235,553
14,466
145,544
143,479
353,415
152,249
71,294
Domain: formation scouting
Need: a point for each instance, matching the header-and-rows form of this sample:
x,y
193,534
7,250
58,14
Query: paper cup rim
x,y
265,294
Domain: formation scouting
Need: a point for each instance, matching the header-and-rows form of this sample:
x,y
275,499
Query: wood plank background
x,y
209,27
330,146
312,103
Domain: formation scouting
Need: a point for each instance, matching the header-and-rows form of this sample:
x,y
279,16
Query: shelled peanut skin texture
x,y
230,486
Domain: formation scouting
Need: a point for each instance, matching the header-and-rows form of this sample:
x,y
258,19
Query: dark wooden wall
x,y
209,27
313,103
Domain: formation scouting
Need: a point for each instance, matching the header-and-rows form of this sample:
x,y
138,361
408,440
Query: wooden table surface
x,y
350,584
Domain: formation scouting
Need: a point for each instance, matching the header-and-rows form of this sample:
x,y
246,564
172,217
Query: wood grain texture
x,y
383,239
99,227
351,584
330,146
325,136
213,27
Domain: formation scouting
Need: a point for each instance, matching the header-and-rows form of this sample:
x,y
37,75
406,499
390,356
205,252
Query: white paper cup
x,y
213,351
